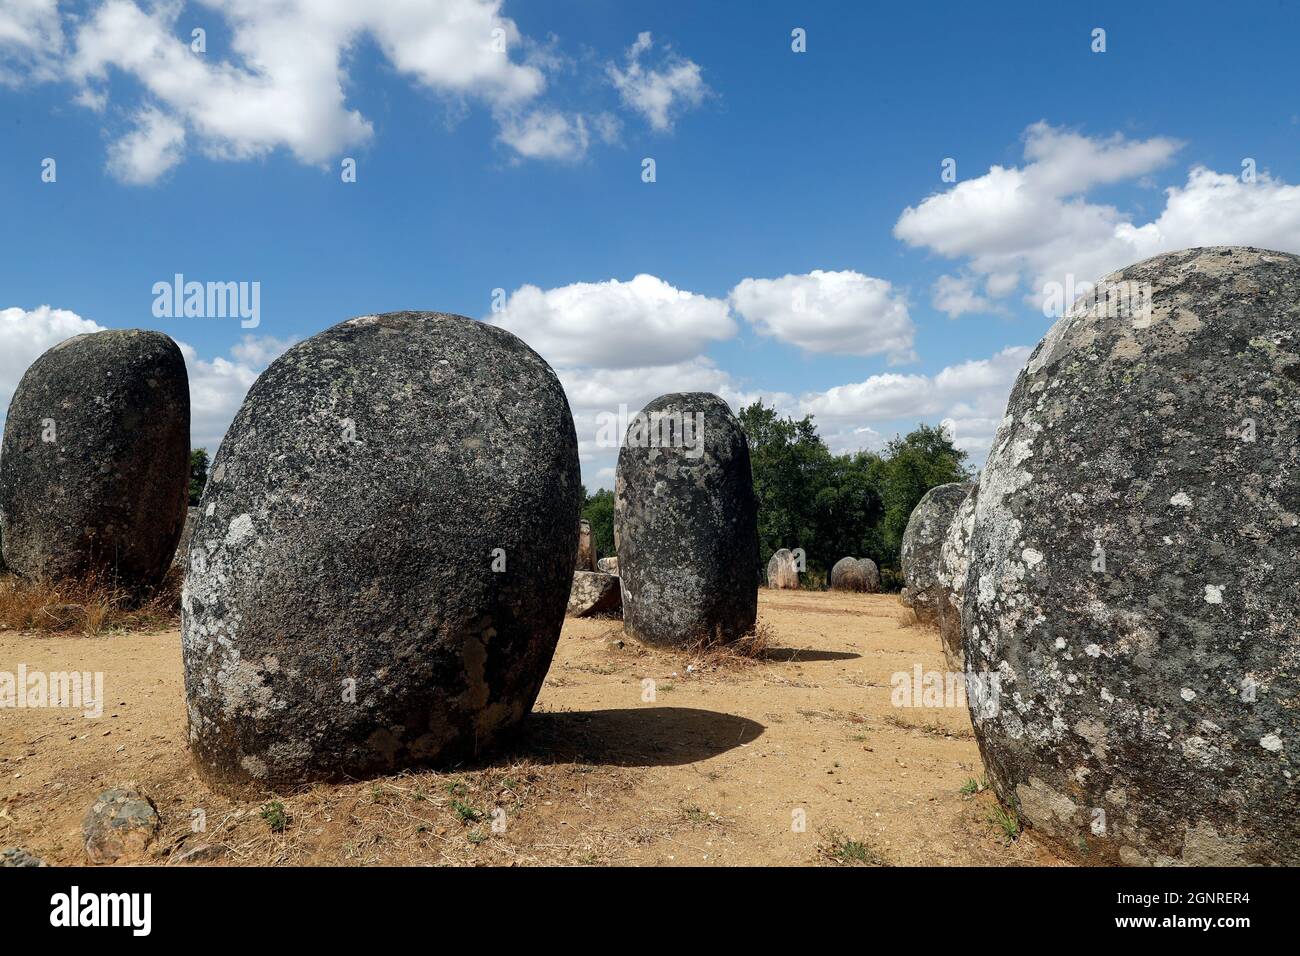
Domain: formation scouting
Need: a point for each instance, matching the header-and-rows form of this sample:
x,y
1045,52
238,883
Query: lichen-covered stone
x,y
855,574
594,593
922,541
686,525
1133,568
181,557
95,465
608,565
586,560
383,555
783,570
950,579
119,825
16,856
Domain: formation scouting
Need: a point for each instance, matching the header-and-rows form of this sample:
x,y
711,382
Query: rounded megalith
x,y
686,525
383,554
181,556
594,593
922,540
872,574
950,579
95,465
783,570
586,560
608,565
1133,565
848,574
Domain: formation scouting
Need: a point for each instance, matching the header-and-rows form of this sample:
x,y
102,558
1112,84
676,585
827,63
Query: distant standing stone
x,y
872,573
950,579
782,570
608,565
586,547
922,541
183,546
95,465
384,554
686,524
1133,569
854,574
119,825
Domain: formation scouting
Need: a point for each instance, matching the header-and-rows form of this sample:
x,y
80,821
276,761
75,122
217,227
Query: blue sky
x,y
480,170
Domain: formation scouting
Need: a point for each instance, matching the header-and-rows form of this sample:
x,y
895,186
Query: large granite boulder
x,y
1133,568
950,579
95,465
855,574
608,565
181,558
383,556
594,593
783,570
922,540
686,525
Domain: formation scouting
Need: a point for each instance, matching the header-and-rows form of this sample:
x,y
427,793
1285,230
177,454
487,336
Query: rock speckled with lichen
x,y
1133,568
594,593
922,541
686,528
950,579
95,467
383,554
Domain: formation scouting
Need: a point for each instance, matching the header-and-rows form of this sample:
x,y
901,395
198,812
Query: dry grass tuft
x,y
91,605
706,654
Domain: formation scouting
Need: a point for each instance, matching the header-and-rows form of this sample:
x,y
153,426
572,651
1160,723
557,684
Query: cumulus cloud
x,y
615,324
546,134
1034,225
969,396
283,83
659,94
837,312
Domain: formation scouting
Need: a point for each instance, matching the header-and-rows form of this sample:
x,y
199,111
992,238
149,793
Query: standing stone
x,y
181,557
1133,568
95,464
686,523
848,575
783,570
871,573
608,565
922,540
950,579
384,553
594,593
586,547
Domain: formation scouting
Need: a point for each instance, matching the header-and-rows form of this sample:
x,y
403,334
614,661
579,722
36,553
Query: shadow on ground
x,y
795,655
633,737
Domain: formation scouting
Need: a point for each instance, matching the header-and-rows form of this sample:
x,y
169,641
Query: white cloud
x,y
27,334
972,395
283,84
658,94
155,146
615,324
1034,225
31,37
218,386
546,134
836,312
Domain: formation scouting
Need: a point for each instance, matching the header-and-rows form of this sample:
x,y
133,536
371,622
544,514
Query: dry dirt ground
x,y
717,769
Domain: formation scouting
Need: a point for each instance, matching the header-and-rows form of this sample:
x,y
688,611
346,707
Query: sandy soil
x,y
715,770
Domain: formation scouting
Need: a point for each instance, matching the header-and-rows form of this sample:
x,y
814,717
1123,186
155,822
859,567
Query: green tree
x,y
198,474
599,510
913,465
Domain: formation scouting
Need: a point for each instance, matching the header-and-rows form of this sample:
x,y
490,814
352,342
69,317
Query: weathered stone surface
x,y
922,541
119,825
686,526
950,579
586,547
95,465
782,570
383,556
608,565
181,557
17,856
1133,569
594,592
855,574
